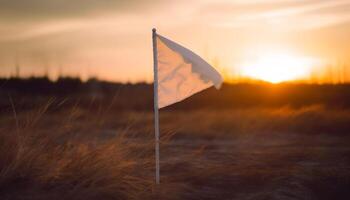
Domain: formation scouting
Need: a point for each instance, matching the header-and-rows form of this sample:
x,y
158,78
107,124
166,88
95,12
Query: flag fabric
x,y
181,73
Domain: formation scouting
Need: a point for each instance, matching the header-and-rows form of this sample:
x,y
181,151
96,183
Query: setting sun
x,y
276,68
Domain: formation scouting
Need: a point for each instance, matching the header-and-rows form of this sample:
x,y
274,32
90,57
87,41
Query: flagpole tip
x,y
154,30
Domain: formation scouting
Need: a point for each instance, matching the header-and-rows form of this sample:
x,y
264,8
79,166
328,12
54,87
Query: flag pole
x,y
155,93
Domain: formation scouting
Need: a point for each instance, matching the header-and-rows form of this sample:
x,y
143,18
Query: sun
x,y
276,68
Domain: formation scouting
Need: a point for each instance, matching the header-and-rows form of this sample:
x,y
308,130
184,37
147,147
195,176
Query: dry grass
x,y
237,122
52,163
255,153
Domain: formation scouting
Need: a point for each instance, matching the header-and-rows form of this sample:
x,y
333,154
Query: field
x,y
74,144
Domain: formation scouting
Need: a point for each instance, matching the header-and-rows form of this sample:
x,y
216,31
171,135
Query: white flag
x,y
181,73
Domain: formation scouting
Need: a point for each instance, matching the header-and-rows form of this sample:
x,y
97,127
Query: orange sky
x,y
112,39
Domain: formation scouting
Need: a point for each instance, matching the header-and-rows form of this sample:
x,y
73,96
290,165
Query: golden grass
x,y
56,164
236,122
255,153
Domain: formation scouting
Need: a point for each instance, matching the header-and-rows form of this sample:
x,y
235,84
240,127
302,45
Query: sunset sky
x,y
111,39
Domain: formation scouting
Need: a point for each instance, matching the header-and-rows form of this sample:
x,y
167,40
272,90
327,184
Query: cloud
x,y
33,10
283,15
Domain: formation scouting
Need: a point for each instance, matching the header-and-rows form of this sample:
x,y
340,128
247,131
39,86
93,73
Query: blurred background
x,y
273,40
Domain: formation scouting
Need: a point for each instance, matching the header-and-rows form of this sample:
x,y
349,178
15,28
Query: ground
x,y
247,153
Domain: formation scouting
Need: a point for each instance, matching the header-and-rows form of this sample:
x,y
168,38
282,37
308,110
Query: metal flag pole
x,y
155,93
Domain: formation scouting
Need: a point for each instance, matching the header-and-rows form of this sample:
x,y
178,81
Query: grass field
x,y
243,153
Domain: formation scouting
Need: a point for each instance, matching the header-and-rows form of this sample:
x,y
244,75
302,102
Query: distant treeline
x,y
26,93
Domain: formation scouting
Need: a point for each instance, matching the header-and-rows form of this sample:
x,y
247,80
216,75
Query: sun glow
x,y
276,68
